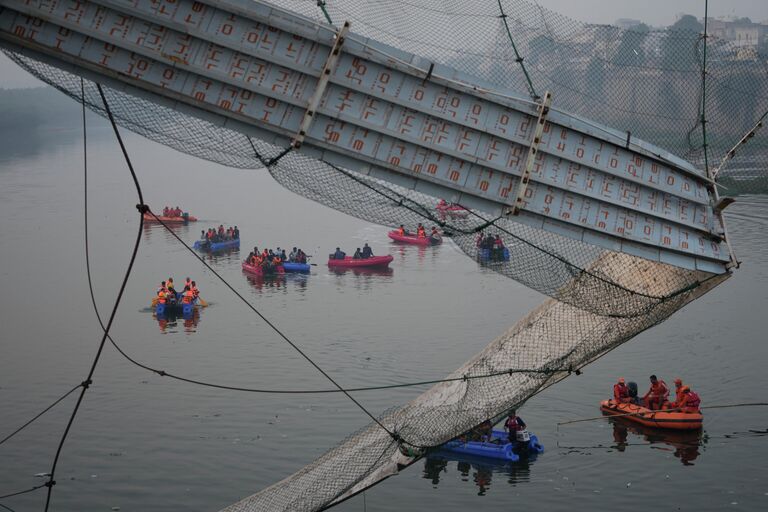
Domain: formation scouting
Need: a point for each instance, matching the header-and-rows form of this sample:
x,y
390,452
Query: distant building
x,y
749,39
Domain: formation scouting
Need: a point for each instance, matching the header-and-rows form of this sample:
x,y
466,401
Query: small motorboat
x,y
296,268
498,446
350,262
260,271
665,419
451,210
207,245
414,239
184,219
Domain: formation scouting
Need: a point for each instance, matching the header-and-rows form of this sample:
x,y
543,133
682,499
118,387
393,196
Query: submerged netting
x,y
645,82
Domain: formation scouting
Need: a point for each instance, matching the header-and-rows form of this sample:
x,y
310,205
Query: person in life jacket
x,y
621,392
194,288
421,232
162,288
401,230
689,401
657,394
188,295
165,211
162,296
513,425
187,283
678,389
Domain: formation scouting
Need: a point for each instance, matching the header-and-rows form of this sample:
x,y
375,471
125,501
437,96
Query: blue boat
x,y
497,447
301,268
177,308
484,255
205,245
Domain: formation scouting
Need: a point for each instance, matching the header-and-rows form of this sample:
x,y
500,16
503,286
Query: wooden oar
x,y
202,302
154,302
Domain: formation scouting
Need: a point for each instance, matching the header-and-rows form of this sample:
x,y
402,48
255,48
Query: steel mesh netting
x,y
602,298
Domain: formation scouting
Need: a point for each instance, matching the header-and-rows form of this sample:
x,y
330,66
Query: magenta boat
x,y
413,239
259,271
452,210
372,262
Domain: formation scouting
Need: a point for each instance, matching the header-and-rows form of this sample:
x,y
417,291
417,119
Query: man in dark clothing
x,y
367,251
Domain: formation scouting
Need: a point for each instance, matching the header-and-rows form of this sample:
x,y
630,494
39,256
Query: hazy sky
x,y
652,12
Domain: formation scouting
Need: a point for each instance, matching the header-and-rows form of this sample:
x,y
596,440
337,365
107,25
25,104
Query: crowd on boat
x,y
360,254
220,234
421,232
492,243
174,211
167,293
657,397
269,259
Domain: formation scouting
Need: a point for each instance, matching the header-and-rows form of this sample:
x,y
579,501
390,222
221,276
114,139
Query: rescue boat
x,y
497,447
452,210
349,262
675,420
485,255
259,271
297,268
414,240
176,308
170,220
205,245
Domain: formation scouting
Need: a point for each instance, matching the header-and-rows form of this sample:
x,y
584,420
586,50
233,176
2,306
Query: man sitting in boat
x,y
338,255
169,285
188,296
367,251
435,234
688,400
657,394
678,389
194,288
621,392
421,232
401,230
358,254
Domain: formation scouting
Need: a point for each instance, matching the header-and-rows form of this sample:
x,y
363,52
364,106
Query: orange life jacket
x,y
161,296
402,231
620,391
189,295
422,233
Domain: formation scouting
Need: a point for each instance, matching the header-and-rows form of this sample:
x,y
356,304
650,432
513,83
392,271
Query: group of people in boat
x,y
360,254
657,397
493,243
269,259
174,211
167,294
484,431
421,232
220,234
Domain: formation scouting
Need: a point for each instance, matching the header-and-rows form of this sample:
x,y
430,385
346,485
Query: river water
x,y
143,442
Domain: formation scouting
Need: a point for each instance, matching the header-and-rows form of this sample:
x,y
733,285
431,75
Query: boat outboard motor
x,y
523,438
632,388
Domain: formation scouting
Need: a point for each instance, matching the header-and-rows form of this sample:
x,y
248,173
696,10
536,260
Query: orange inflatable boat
x,y
148,217
675,420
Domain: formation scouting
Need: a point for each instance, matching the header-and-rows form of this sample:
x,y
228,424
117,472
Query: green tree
x,y
678,48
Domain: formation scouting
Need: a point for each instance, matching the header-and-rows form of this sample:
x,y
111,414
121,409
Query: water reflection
x,y
477,470
169,322
684,444
404,250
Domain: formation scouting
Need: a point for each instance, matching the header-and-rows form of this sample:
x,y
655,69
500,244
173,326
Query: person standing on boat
x,y
401,230
421,232
678,389
657,394
621,392
367,251
513,425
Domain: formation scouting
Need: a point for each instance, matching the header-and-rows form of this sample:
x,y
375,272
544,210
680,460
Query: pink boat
x,y
259,271
413,239
148,217
373,261
452,210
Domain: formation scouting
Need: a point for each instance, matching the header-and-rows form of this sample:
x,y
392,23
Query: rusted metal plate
x,y
383,112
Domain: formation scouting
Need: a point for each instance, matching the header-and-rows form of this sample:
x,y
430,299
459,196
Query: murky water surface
x,y
143,442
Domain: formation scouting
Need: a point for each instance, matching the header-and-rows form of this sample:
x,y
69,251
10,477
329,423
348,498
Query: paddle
x,y
154,302
202,302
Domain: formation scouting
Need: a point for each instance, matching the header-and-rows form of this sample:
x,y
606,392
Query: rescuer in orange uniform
x,y
657,394
621,392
